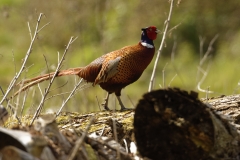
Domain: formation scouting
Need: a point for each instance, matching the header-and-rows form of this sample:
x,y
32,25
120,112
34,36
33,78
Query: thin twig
x,y
202,40
70,96
16,105
172,80
101,133
126,146
81,139
131,101
51,82
44,26
45,59
98,103
174,50
55,95
30,32
62,85
78,89
202,61
116,136
175,27
12,83
209,50
11,107
15,68
163,74
161,46
202,79
23,103
207,92
58,57
25,69
40,90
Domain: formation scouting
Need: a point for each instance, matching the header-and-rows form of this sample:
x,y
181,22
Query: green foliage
x,y
11,2
103,26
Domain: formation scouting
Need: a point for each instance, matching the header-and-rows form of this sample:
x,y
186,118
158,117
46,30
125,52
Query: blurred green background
x,y
106,25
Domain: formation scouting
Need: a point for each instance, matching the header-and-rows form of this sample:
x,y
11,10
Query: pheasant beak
x,y
157,31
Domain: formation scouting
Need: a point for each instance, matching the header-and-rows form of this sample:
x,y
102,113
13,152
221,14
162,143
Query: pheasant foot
x,y
123,108
105,103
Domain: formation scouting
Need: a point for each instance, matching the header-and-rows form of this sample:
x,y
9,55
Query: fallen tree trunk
x,y
168,124
175,124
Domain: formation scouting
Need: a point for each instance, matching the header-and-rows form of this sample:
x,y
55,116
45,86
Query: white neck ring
x,y
147,45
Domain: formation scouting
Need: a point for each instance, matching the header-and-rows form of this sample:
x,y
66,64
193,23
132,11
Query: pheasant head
x,y
148,35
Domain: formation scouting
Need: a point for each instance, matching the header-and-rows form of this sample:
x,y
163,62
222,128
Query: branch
x,y
203,60
163,74
81,139
51,82
12,83
70,96
160,48
205,73
209,50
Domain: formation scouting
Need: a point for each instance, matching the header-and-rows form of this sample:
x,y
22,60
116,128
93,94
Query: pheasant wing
x,y
91,71
108,70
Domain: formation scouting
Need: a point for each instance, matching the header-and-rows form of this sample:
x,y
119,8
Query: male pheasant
x,y
115,70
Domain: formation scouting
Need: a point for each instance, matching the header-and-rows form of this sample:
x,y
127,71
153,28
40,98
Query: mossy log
x,y
174,124
168,124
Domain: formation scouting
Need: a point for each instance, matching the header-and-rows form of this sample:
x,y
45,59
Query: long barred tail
x,y
33,81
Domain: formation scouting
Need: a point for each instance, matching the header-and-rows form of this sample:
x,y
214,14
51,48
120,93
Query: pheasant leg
x,y
123,108
105,103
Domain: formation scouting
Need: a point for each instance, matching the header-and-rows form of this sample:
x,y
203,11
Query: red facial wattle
x,y
152,32
152,35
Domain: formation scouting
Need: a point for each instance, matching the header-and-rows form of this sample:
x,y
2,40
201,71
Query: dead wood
x,y
175,124
168,124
